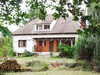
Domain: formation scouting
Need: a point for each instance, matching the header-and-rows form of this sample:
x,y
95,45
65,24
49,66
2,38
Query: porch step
x,y
47,54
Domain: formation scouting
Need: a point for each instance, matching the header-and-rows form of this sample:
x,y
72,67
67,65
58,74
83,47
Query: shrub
x,y
27,53
85,47
2,72
10,65
6,47
38,65
66,50
12,53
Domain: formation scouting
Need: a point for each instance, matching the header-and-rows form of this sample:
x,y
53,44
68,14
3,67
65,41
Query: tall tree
x,y
10,13
95,12
32,14
62,7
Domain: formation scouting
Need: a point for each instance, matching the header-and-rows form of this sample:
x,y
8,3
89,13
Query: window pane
x,y
40,43
44,43
39,27
46,26
22,43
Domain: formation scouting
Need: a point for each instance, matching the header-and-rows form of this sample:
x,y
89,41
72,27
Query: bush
x,y
85,47
12,53
27,53
38,65
10,65
6,47
66,50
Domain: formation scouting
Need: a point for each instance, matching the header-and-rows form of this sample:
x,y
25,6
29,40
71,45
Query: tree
x,y
6,47
32,14
95,12
10,13
62,8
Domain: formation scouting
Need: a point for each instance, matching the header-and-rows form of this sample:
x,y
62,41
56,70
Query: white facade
x,y
30,40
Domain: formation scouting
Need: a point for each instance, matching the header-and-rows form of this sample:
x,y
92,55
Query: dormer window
x,y
46,26
42,27
39,27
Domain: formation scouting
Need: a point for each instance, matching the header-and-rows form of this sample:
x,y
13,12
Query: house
x,y
44,36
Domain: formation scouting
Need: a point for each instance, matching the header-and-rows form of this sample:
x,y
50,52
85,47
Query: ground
x,y
54,71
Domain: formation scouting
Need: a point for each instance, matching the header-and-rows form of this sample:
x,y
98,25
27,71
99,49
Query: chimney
x,y
82,23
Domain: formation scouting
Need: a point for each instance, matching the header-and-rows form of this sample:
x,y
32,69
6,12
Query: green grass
x,y
48,60
54,71
64,72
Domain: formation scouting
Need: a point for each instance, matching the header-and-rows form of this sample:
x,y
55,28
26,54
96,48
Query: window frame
x,y
42,43
42,27
23,43
39,27
47,28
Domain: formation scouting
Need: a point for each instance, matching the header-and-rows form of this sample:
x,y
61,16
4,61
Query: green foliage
x,y
6,47
2,72
88,47
94,11
10,13
7,9
27,53
62,7
31,15
5,31
38,65
66,51
81,65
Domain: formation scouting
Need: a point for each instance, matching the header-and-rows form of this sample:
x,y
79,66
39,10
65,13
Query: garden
x,y
79,59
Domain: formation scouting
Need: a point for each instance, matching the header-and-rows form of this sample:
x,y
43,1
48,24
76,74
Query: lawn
x,y
64,72
48,60
54,71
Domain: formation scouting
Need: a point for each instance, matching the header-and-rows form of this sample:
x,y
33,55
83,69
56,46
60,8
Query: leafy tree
x,y
10,13
62,7
95,12
6,47
32,14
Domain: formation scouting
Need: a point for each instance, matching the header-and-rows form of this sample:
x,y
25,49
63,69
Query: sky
x,y
13,27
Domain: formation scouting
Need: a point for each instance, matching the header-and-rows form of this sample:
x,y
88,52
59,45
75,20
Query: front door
x,y
51,45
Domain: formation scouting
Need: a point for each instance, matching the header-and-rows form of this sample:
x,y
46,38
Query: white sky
x,y
14,27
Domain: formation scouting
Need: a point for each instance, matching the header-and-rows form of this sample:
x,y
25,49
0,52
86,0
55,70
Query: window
x,y
39,27
22,43
42,27
42,43
46,26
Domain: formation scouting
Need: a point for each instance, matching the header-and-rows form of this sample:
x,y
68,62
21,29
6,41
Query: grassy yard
x,y
48,60
54,71
64,72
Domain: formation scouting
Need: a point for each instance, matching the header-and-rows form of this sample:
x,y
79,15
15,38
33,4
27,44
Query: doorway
x,y
51,45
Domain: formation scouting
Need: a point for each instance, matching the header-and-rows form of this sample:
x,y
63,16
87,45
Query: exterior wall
x,y
31,41
43,49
